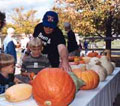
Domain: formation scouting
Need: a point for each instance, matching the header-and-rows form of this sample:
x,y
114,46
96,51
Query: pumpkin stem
x,y
98,63
77,81
48,103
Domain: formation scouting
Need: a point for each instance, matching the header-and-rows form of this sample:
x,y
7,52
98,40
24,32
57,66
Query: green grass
x,y
115,44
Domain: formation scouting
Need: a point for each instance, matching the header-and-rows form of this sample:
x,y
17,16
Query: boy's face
x,y
8,69
36,51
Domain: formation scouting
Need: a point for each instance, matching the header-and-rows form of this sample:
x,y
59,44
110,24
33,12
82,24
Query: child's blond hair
x,y
6,60
35,42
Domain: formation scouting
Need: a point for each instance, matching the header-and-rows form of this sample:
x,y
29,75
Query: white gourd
x,y
101,71
107,65
77,66
114,65
86,59
96,66
94,60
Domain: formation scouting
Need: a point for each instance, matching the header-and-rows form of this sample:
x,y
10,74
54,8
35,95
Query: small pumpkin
x,y
90,77
53,87
76,59
92,54
71,58
32,75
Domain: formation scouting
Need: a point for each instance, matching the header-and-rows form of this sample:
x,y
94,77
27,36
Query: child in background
x,y
35,61
7,78
24,53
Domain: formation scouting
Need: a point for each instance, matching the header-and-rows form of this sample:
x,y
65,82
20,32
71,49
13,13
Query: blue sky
x,y
41,6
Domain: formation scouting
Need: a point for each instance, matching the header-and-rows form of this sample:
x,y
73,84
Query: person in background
x,y
72,45
24,41
80,46
2,23
34,62
8,44
2,20
24,53
86,46
7,77
53,40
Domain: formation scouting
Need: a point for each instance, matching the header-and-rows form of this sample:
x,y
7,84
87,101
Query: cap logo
x,y
50,18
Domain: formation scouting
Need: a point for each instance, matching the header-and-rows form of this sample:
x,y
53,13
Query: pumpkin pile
x,y
53,87
56,87
75,60
101,65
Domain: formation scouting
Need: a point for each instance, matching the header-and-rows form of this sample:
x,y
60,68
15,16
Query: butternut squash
x,y
18,92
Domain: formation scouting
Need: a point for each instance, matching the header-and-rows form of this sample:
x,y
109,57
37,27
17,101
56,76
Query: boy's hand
x,y
25,74
17,81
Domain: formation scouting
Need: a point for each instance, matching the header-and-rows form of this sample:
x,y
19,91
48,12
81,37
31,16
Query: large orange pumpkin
x,y
53,87
90,78
92,54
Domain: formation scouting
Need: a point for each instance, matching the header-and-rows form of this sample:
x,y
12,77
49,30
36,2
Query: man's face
x,y
48,30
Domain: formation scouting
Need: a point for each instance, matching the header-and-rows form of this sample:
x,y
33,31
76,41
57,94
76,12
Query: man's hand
x,y
64,57
65,65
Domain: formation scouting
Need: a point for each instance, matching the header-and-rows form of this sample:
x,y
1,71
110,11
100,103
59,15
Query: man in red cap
x,y
53,40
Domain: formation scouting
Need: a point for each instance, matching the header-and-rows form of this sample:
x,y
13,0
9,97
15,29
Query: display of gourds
x,y
56,87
